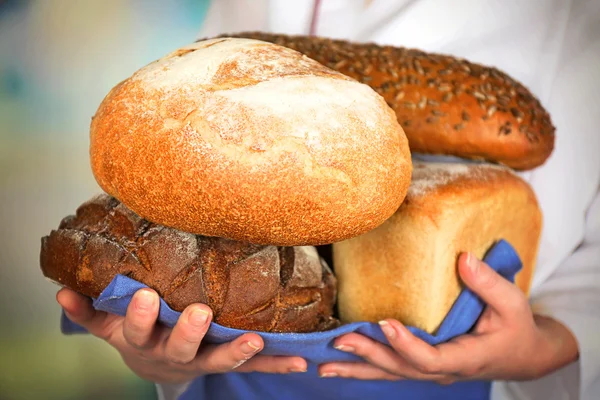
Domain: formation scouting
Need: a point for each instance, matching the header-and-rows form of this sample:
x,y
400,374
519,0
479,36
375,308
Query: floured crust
x,y
446,105
432,176
406,268
251,141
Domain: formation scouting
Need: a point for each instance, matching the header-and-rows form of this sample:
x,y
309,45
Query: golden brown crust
x,y
262,288
446,105
251,141
406,268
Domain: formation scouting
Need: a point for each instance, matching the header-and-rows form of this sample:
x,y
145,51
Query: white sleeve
x,y
572,296
569,292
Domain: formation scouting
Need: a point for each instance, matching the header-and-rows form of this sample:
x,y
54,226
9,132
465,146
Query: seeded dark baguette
x,y
446,105
262,288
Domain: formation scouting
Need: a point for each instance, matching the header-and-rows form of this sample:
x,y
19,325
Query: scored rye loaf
x,y
446,105
262,288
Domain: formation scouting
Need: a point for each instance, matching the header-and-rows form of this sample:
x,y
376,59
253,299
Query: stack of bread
x,y
223,164
226,161
407,267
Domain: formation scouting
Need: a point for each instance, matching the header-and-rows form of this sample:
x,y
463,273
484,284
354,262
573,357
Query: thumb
x,y
79,310
497,292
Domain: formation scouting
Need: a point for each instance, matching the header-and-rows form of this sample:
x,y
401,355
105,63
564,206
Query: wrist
x,y
557,346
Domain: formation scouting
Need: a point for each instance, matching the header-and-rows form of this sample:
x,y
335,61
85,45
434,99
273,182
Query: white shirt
x,y
551,46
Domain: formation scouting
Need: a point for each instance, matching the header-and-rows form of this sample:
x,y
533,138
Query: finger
x,y
140,319
182,344
357,370
273,365
228,356
374,352
380,356
465,357
79,309
465,353
497,292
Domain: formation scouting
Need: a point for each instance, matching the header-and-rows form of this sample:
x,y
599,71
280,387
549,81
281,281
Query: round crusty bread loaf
x,y
406,268
446,105
262,288
251,141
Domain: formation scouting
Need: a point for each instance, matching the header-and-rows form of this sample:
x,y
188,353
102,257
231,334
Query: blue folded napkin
x,y
316,347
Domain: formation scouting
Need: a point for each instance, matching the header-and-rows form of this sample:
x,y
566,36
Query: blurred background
x,y
58,59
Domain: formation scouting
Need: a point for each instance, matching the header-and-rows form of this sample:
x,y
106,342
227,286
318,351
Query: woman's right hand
x,y
163,355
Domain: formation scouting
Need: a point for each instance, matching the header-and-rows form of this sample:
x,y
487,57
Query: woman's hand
x,y
177,355
508,342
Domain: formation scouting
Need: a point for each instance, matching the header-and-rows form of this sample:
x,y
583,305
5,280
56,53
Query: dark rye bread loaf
x,y
262,288
446,105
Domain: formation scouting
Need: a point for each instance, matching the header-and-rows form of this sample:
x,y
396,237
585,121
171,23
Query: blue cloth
x,y
317,348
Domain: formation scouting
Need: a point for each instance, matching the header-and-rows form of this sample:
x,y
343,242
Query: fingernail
x,y
329,375
298,370
144,300
387,329
250,348
348,349
198,317
472,263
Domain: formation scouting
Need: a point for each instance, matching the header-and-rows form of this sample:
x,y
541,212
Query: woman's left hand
x,y
507,343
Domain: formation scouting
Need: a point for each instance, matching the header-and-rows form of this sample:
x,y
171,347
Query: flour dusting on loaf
x,y
239,61
313,107
429,176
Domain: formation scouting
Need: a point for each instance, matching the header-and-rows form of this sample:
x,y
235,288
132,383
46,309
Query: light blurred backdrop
x,y
58,58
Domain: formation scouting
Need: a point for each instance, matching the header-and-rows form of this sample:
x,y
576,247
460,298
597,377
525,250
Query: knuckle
x,y
432,367
189,333
344,373
136,325
146,355
106,332
218,363
212,366
136,338
189,338
137,343
362,349
489,280
226,358
179,358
